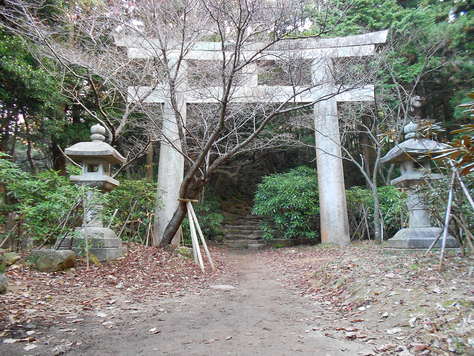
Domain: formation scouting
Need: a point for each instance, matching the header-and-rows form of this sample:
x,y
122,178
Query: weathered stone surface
x,y
170,174
9,258
96,149
50,260
101,241
332,193
256,246
419,238
3,284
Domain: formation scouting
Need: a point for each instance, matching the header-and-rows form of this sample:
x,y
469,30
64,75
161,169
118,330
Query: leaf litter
x,y
37,299
402,304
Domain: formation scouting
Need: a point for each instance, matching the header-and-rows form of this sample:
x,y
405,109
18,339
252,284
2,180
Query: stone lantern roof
x,y
96,150
412,147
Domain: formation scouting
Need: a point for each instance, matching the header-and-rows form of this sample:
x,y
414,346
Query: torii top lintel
x,y
144,48
307,49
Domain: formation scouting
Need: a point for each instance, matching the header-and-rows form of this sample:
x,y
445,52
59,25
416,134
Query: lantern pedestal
x,y
102,242
419,238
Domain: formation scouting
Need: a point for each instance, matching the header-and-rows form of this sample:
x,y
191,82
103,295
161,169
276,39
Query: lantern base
x,y
419,238
99,241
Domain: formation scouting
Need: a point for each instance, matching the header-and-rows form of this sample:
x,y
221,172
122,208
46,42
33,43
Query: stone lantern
x,y
96,158
412,156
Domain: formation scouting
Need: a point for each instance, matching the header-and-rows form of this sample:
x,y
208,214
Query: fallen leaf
x,y
419,347
350,335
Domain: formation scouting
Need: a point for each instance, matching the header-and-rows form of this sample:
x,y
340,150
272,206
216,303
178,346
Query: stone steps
x,y
241,228
252,237
243,231
236,243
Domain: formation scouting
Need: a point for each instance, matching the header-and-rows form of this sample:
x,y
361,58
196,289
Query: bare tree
x,y
167,60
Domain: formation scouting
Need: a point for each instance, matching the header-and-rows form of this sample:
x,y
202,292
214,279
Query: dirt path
x,y
258,317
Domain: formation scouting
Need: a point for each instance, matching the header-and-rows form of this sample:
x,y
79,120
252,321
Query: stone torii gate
x,y
321,52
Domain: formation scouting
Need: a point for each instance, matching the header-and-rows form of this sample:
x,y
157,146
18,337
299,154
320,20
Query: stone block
x,y
419,238
9,258
50,260
101,242
278,243
256,246
3,284
107,254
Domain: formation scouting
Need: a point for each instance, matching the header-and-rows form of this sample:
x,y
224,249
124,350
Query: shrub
x,y
361,210
135,201
435,195
41,200
290,201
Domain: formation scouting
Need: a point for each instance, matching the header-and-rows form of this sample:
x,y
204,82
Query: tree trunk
x,y
59,161
367,153
378,233
190,189
174,225
377,215
29,145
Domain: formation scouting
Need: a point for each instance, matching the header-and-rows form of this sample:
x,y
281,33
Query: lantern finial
x,y
98,133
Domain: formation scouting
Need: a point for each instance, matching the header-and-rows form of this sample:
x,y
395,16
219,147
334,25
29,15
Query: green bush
x,y
135,201
360,205
291,203
41,200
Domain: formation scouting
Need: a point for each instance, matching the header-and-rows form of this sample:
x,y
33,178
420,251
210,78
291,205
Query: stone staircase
x,y
243,231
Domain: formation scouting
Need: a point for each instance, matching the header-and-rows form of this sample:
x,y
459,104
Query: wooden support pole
x,y
201,235
446,220
112,218
148,230
194,239
188,200
464,189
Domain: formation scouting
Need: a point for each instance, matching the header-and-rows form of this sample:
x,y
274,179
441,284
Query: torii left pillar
x,y
170,169
332,194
